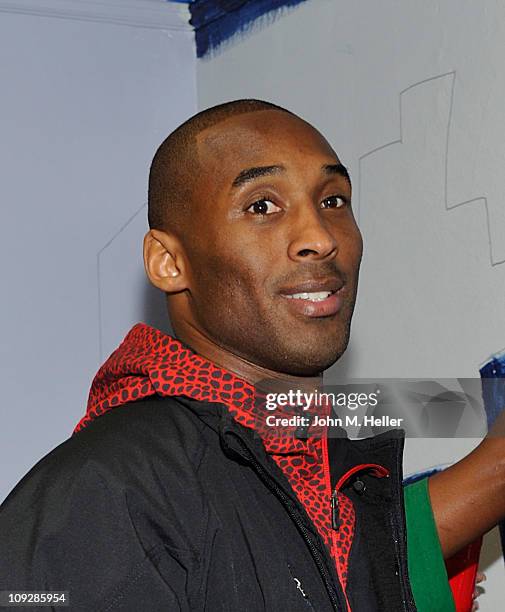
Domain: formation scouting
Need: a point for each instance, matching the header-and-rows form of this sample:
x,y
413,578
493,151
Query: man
x,y
172,495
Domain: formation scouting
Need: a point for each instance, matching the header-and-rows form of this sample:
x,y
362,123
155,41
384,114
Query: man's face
x,y
274,253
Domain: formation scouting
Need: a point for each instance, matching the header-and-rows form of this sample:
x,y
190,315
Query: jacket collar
x,y
149,362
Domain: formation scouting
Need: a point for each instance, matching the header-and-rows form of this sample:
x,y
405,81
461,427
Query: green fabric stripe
x,y
428,575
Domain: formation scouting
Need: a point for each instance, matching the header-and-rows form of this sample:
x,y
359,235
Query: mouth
x,y
315,298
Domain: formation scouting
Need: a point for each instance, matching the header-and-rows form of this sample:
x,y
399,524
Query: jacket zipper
x,y
401,568
335,596
400,549
335,514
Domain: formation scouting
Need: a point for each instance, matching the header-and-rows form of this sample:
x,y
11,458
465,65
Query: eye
x,y
334,201
263,206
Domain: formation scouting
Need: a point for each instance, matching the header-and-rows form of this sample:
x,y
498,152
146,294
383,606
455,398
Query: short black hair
x,y
170,177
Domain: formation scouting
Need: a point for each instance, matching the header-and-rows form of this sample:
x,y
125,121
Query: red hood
x,y
149,361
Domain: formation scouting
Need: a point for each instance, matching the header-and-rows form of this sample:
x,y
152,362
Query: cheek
x,y
227,285
243,258
359,244
351,249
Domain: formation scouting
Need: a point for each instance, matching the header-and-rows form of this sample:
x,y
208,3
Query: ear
x,y
164,261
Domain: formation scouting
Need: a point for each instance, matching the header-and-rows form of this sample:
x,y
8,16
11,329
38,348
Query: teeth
x,y
315,296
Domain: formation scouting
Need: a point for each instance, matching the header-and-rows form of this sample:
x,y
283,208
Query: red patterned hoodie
x,y
150,362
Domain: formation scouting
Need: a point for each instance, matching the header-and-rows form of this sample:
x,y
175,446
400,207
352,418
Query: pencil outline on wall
x,y
98,276
399,140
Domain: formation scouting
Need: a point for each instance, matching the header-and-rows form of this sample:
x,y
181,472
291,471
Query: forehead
x,y
261,137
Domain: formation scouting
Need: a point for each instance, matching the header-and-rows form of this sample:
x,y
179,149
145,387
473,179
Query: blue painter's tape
x,y
215,21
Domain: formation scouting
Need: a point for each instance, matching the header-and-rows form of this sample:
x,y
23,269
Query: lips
x,y
331,284
315,298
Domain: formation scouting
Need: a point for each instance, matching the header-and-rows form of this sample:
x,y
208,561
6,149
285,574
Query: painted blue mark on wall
x,y
494,391
215,21
493,395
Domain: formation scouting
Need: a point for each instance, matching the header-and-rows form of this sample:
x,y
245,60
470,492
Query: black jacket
x,y
168,504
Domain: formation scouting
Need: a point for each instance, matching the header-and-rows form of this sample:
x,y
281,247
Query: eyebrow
x,y
338,169
250,174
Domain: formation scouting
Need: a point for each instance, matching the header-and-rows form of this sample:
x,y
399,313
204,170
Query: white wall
x,y
90,87
427,166
88,91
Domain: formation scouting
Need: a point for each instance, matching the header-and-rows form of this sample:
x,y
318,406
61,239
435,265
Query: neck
x,y
241,367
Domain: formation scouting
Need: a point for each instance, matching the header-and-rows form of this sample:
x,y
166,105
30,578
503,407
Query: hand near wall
x,y
468,498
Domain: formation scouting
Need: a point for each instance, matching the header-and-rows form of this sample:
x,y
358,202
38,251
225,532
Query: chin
x,y
319,351
313,359
312,365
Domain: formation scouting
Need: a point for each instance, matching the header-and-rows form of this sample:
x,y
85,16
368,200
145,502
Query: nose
x,y
311,240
